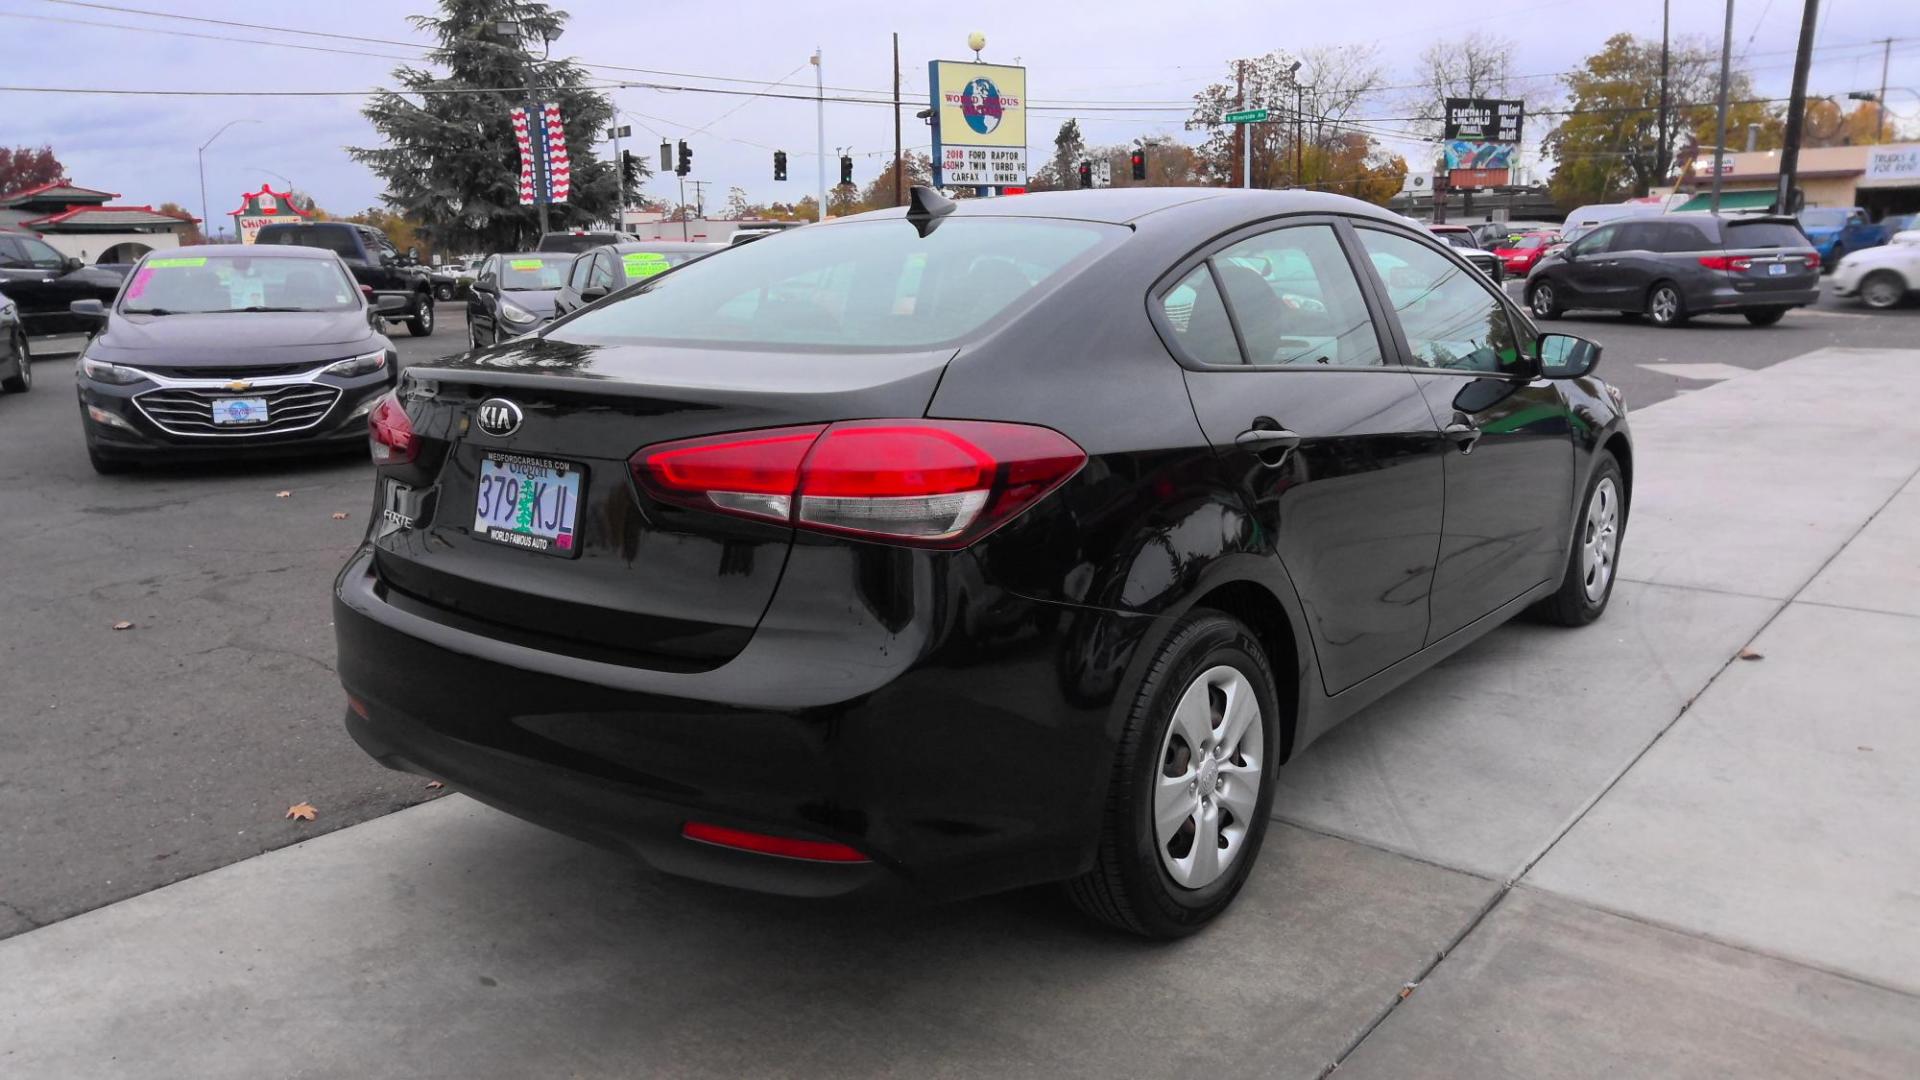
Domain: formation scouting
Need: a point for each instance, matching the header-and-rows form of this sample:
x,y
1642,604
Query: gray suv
x,y
1673,267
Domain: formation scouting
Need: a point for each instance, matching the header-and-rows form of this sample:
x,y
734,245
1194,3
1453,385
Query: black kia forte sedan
x,y
972,546
225,350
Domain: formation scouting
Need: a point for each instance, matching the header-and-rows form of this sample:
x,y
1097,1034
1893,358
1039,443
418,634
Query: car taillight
x,y
926,483
1725,262
1813,260
390,433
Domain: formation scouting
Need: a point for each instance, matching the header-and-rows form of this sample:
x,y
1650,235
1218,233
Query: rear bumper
x,y
964,750
1729,298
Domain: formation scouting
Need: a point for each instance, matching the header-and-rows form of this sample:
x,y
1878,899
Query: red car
x,y
1520,253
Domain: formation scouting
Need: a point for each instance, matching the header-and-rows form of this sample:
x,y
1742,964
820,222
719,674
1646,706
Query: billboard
x,y
979,124
1481,139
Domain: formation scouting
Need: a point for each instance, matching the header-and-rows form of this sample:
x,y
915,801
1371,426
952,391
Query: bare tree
x,y
1326,85
1476,65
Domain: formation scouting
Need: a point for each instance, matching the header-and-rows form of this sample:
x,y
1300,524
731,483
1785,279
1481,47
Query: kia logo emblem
x,y
499,417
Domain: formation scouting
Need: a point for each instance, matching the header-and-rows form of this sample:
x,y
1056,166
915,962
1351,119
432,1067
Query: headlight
x,y
514,313
359,365
101,371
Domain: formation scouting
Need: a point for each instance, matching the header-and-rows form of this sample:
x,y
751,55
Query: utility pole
x,y
899,167
820,121
683,209
700,198
1246,143
1796,111
1880,106
1660,158
1720,141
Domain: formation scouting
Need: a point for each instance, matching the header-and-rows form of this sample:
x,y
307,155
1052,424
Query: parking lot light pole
x,y
202,155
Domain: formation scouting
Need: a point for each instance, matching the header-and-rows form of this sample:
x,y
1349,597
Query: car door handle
x,y
1268,438
1464,435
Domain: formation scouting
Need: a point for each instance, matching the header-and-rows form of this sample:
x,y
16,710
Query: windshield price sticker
x,y
983,166
175,263
640,264
525,264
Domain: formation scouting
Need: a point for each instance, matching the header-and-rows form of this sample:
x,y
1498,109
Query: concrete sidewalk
x,y
1607,852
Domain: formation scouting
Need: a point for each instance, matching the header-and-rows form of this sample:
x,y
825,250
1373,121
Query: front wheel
x,y
420,323
23,382
1544,301
1882,289
443,293
1665,307
1765,316
1192,784
1588,582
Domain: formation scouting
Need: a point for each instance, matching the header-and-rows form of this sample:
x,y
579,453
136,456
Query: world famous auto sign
x,y
979,124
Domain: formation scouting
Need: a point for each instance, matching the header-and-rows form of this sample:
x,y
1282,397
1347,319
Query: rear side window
x,y
1765,234
1296,300
868,284
582,270
1199,320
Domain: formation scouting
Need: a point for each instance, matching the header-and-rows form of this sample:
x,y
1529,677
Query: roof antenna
x,y
926,208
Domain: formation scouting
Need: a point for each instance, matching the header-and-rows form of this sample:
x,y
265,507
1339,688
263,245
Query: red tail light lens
x,y
390,433
928,483
1813,260
785,846
1725,262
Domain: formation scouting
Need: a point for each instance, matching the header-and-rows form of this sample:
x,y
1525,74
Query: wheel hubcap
x,y
1665,304
1880,293
1208,786
1543,299
1600,539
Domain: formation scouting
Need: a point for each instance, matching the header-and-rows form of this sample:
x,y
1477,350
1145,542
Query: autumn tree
x,y
450,160
880,191
1062,171
1320,88
191,234
1607,144
25,167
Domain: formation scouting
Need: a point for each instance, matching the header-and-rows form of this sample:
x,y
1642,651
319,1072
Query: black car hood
x,y
538,301
240,339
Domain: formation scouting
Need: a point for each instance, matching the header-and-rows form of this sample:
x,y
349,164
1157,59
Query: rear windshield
x,y
868,284
574,245
1764,234
533,273
199,284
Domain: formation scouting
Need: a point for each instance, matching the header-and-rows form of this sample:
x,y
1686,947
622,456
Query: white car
x,y
1881,276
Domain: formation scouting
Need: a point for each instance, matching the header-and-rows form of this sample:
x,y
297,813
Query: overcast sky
x,y
1117,50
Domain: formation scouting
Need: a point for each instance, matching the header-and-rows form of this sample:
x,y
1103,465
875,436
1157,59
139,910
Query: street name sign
x,y
1247,116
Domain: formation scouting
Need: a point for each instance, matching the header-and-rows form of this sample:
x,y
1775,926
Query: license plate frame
x,y
558,503
240,412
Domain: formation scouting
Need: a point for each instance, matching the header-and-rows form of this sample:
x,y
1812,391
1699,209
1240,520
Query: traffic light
x,y
846,170
779,164
1139,164
666,157
1086,174
686,159
629,174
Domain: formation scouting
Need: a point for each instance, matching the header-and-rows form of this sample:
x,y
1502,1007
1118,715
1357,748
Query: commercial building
x,y
1882,180
80,222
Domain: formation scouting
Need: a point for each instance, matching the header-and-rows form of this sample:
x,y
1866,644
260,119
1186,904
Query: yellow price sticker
x,y
167,264
644,263
525,264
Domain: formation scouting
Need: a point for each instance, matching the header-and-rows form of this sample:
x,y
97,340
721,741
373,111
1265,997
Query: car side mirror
x,y
69,264
1563,356
413,254
91,312
592,292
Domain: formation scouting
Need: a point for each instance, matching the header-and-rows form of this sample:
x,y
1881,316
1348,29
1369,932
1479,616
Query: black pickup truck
x,y
375,264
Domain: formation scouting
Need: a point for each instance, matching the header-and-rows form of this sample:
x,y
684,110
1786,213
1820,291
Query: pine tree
x,y
450,161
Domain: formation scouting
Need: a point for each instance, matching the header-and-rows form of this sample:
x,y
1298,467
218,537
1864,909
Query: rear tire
x,y
420,323
23,382
1212,663
443,293
1543,299
1883,289
1765,316
1665,305
1593,557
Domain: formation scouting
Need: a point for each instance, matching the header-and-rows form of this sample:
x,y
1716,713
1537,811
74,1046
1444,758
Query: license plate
x,y
240,410
1777,269
528,502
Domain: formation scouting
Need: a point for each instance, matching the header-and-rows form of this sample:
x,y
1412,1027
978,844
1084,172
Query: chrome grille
x,y
250,371
190,412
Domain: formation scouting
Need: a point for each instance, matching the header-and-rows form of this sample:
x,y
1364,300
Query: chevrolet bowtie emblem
x,y
238,385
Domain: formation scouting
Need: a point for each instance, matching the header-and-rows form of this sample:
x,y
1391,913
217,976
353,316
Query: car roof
x,y
251,251
662,245
1164,205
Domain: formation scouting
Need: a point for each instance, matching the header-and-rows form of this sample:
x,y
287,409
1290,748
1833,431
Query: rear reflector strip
x,y
786,847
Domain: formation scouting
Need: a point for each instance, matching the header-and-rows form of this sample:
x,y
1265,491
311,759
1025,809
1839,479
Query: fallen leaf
x,y
1749,654
434,785
123,625
1407,991
303,811
283,494
339,515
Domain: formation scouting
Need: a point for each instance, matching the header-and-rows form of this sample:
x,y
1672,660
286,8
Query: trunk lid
x,y
643,583
1775,254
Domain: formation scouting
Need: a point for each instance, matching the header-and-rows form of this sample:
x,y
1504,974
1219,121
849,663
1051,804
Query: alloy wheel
x,y
26,361
1600,539
426,314
1208,784
1664,306
1881,291
1543,299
